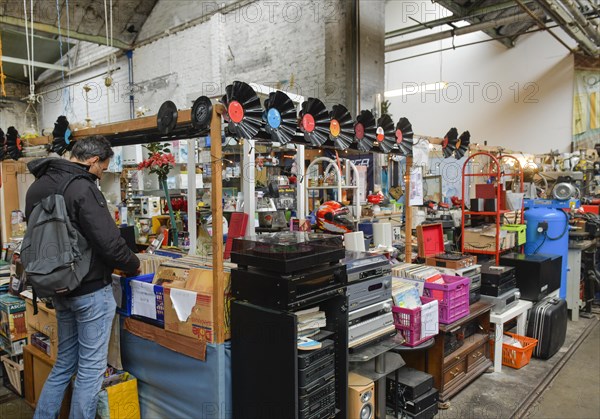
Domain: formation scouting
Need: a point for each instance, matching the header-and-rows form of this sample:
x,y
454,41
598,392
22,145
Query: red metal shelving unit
x,y
495,170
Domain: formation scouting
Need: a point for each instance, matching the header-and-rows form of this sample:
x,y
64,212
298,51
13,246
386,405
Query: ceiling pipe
x,y
458,31
452,19
568,24
542,25
586,25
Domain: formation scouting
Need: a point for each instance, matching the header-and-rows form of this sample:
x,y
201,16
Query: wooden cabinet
x,y
455,370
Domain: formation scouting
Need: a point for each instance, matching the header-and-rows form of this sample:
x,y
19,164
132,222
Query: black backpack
x,y
55,256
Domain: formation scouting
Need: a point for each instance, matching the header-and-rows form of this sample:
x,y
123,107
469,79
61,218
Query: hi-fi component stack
x,y
289,326
370,302
499,286
413,394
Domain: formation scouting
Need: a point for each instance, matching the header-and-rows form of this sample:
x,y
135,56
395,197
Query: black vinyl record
x,y
202,113
341,127
244,111
62,136
365,131
280,117
2,145
14,148
386,134
404,136
463,145
314,122
166,119
449,143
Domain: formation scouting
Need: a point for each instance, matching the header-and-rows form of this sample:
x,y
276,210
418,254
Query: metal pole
x,y
191,167
408,213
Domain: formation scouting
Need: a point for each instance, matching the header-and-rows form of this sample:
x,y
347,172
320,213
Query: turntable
x,y
431,247
287,252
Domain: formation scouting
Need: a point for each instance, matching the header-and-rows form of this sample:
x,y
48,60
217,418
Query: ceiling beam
x,y
43,27
461,11
472,13
463,30
35,63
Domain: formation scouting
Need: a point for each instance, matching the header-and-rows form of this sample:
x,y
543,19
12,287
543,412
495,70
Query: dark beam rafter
x,y
461,11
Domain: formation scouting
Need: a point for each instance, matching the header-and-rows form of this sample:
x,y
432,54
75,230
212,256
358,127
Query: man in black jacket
x,y
84,316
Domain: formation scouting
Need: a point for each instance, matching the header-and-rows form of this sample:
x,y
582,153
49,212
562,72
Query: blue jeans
x,y
84,325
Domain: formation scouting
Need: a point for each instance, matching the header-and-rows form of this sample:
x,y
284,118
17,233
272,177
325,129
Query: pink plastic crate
x,y
417,324
452,295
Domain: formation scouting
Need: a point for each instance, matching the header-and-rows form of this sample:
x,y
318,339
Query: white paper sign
x,y
143,300
183,302
416,187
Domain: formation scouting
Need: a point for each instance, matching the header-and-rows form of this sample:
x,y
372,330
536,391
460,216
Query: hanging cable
x,y
27,40
111,23
60,49
2,76
31,83
106,22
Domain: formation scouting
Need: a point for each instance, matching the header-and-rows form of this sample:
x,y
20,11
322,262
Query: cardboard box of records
x,y
188,298
484,238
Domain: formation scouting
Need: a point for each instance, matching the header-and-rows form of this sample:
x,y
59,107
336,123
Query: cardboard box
x,y
14,347
168,274
43,322
194,301
12,313
484,238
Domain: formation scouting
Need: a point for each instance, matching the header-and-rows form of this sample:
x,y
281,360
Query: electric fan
x,y
314,121
449,143
281,117
386,135
341,127
244,110
365,131
2,145
13,144
62,141
166,119
404,136
463,145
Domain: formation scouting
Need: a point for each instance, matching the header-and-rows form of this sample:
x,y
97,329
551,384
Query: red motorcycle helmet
x,y
331,217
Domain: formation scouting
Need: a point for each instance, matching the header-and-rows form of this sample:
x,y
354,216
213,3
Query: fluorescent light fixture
x,y
414,88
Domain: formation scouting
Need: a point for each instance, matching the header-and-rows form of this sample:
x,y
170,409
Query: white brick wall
x,y
278,43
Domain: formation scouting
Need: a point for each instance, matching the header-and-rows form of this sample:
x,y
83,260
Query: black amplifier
x,y
413,383
325,412
319,369
320,396
307,358
428,413
496,291
496,275
417,405
318,383
287,291
474,295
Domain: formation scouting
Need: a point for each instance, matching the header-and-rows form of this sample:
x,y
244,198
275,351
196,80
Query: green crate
x,y
520,229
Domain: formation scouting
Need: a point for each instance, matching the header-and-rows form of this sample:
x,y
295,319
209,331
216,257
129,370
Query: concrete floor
x,y
535,391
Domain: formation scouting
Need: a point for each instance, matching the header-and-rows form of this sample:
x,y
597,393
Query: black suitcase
x,y
548,324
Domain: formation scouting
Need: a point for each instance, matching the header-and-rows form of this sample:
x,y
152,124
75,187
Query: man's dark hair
x,y
88,147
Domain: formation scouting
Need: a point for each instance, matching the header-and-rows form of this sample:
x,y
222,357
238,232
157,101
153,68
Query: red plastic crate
x,y
452,295
409,321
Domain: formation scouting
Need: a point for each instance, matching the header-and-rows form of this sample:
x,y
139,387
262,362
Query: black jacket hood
x,y
39,167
